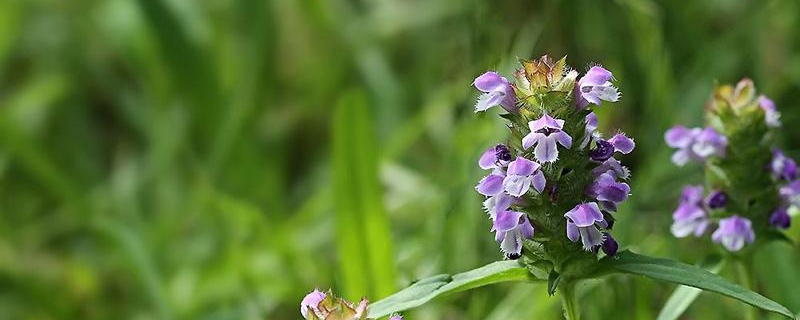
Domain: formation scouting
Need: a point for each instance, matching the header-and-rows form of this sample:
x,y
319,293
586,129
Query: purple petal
x,y
563,138
780,219
525,227
522,167
488,159
311,300
590,236
507,220
546,121
771,114
490,185
495,204
546,150
489,81
517,185
585,214
488,100
539,181
396,317
572,232
531,139
692,194
709,142
596,76
622,143
680,136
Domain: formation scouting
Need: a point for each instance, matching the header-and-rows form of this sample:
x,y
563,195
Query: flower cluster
x,y
552,187
318,305
751,184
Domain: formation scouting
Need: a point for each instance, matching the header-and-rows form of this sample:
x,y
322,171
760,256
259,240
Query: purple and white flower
x,y
396,317
709,143
690,217
583,222
522,174
734,232
496,91
604,149
595,86
510,228
608,191
782,167
780,218
622,143
695,144
771,114
495,157
545,133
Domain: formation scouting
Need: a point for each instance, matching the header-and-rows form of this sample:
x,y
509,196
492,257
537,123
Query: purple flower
x,y
510,228
522,173
690,217
790,193
610,246
709,143
695,144
582,223
545,132
396,317
782,166
734,232
681,138
614,167
590,129
311,302
771,114
594,87
716,199
780,218
496,91
622,143
608,191
498,203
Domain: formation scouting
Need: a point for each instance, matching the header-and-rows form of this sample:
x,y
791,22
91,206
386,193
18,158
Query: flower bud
x,y
717,199
610,246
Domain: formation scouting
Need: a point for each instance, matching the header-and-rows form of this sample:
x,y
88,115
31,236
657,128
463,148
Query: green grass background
x,y
185,159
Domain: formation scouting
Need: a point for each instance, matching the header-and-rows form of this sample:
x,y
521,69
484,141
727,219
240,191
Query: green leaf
x,y
684,296
681,273
427,289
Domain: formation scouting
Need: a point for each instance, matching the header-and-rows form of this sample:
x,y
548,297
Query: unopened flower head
x,y
750,185
555,159
318,305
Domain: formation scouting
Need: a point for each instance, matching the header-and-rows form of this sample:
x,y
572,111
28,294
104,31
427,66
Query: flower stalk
x,y
569,301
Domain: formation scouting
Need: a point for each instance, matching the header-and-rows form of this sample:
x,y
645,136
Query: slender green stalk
x,y
745,278
569,301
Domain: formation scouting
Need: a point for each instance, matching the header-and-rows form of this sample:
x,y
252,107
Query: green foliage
x,y
684,296
681,273
427,289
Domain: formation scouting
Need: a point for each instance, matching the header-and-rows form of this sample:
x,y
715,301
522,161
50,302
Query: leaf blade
x,y
427,289
681,273
684,296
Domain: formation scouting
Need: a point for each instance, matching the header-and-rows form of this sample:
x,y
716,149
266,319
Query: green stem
x,y
569,301
745,278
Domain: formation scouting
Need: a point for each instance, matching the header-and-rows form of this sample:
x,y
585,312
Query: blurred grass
x,y
218,159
